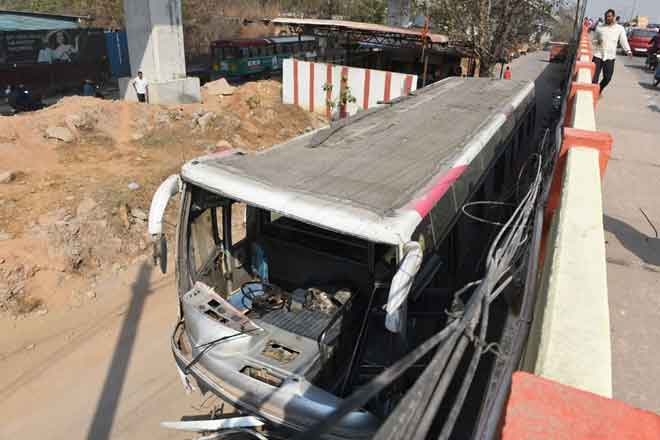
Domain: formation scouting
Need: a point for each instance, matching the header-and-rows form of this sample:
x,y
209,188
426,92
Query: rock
x,y
139,214
222,145
7,176
133,186
308,129
86,207
123,215
30,347
52,217
218,87
75,299
204,120
116,268
162,118
4,236
137,136
91,294
60,133
74,119
43,311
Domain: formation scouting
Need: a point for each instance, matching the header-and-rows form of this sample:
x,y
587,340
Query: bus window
x,y
270,50
228,53
253,52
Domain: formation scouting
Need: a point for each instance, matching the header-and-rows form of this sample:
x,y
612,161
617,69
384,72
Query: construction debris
x,y
218,87
60,133
88,168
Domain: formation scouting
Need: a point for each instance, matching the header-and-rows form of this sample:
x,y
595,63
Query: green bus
x,y
258,57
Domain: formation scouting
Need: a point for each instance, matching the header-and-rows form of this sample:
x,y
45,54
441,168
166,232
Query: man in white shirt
x,y
608,36
141,87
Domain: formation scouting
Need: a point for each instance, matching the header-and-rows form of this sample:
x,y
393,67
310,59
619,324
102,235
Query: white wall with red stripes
x,y
304,85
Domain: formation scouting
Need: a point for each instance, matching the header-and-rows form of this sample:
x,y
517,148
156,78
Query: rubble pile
x,y
77,177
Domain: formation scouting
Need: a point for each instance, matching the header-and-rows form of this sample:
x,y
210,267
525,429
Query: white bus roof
x,y
379,173
290,39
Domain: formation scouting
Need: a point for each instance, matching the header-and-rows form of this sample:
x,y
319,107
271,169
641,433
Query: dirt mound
x,y
83,172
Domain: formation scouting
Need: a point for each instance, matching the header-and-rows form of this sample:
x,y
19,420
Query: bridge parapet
x,y
570,340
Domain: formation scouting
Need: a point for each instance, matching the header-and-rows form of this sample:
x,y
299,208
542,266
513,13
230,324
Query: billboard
x,y
52,46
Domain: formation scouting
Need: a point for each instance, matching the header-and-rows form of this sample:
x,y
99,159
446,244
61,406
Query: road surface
x,y
630,110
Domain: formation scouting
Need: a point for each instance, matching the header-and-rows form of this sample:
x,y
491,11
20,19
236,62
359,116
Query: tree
x,y
369,11
490,28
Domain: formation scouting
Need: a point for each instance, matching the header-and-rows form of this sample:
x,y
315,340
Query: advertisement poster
x,y
51,47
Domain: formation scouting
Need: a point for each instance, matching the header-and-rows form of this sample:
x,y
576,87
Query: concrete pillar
x,y
155,46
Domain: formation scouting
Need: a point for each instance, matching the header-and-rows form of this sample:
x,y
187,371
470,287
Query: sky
x,y
648,8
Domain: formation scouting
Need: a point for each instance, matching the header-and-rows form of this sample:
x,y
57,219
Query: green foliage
x,y
369,11
491,28
345,96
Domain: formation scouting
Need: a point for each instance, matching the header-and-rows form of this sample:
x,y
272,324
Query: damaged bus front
x,y
306,270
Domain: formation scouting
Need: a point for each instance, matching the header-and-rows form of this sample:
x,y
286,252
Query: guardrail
x,y
570,338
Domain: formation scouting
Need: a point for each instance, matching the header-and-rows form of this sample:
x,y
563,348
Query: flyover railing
x,y
570,338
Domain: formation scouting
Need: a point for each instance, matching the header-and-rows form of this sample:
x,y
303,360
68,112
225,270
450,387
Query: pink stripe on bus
x,y
424,205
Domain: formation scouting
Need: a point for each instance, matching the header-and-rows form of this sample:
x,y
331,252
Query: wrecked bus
x,y
305,270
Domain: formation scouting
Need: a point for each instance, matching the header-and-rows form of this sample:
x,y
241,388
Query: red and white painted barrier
x,y
313,86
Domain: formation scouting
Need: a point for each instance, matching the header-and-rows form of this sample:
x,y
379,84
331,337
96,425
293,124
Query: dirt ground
x,y
73,211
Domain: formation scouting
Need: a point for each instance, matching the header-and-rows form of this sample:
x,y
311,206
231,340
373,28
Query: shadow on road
x,y
649,85
645,247
106,407
636,66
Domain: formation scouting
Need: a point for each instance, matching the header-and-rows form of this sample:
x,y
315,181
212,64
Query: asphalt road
x,y
630,110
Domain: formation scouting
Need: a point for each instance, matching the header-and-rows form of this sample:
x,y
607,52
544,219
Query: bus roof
x,y
378,174
290,39
240,42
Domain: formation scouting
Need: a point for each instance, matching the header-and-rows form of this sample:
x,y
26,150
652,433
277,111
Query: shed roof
x,y
35,21
361,27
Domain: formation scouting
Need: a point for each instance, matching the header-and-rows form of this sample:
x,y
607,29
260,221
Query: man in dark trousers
x,y
608,35
141,87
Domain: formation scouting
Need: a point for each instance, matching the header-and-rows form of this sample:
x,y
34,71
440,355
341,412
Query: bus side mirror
x,y
395,318
159,244
166,190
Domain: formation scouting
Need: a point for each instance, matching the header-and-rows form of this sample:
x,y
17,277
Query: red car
x,y
639,40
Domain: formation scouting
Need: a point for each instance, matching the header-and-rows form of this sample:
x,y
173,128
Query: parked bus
x,y
353,248
243,58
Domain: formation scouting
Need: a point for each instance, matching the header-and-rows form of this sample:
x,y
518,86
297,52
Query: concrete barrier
x,y
314,86
570,338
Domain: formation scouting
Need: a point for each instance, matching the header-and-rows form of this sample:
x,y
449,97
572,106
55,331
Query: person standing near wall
x,y
507,73
608,35
141,87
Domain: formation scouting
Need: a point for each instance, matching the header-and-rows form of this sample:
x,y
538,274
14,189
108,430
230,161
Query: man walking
x,y
141,87
608,35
